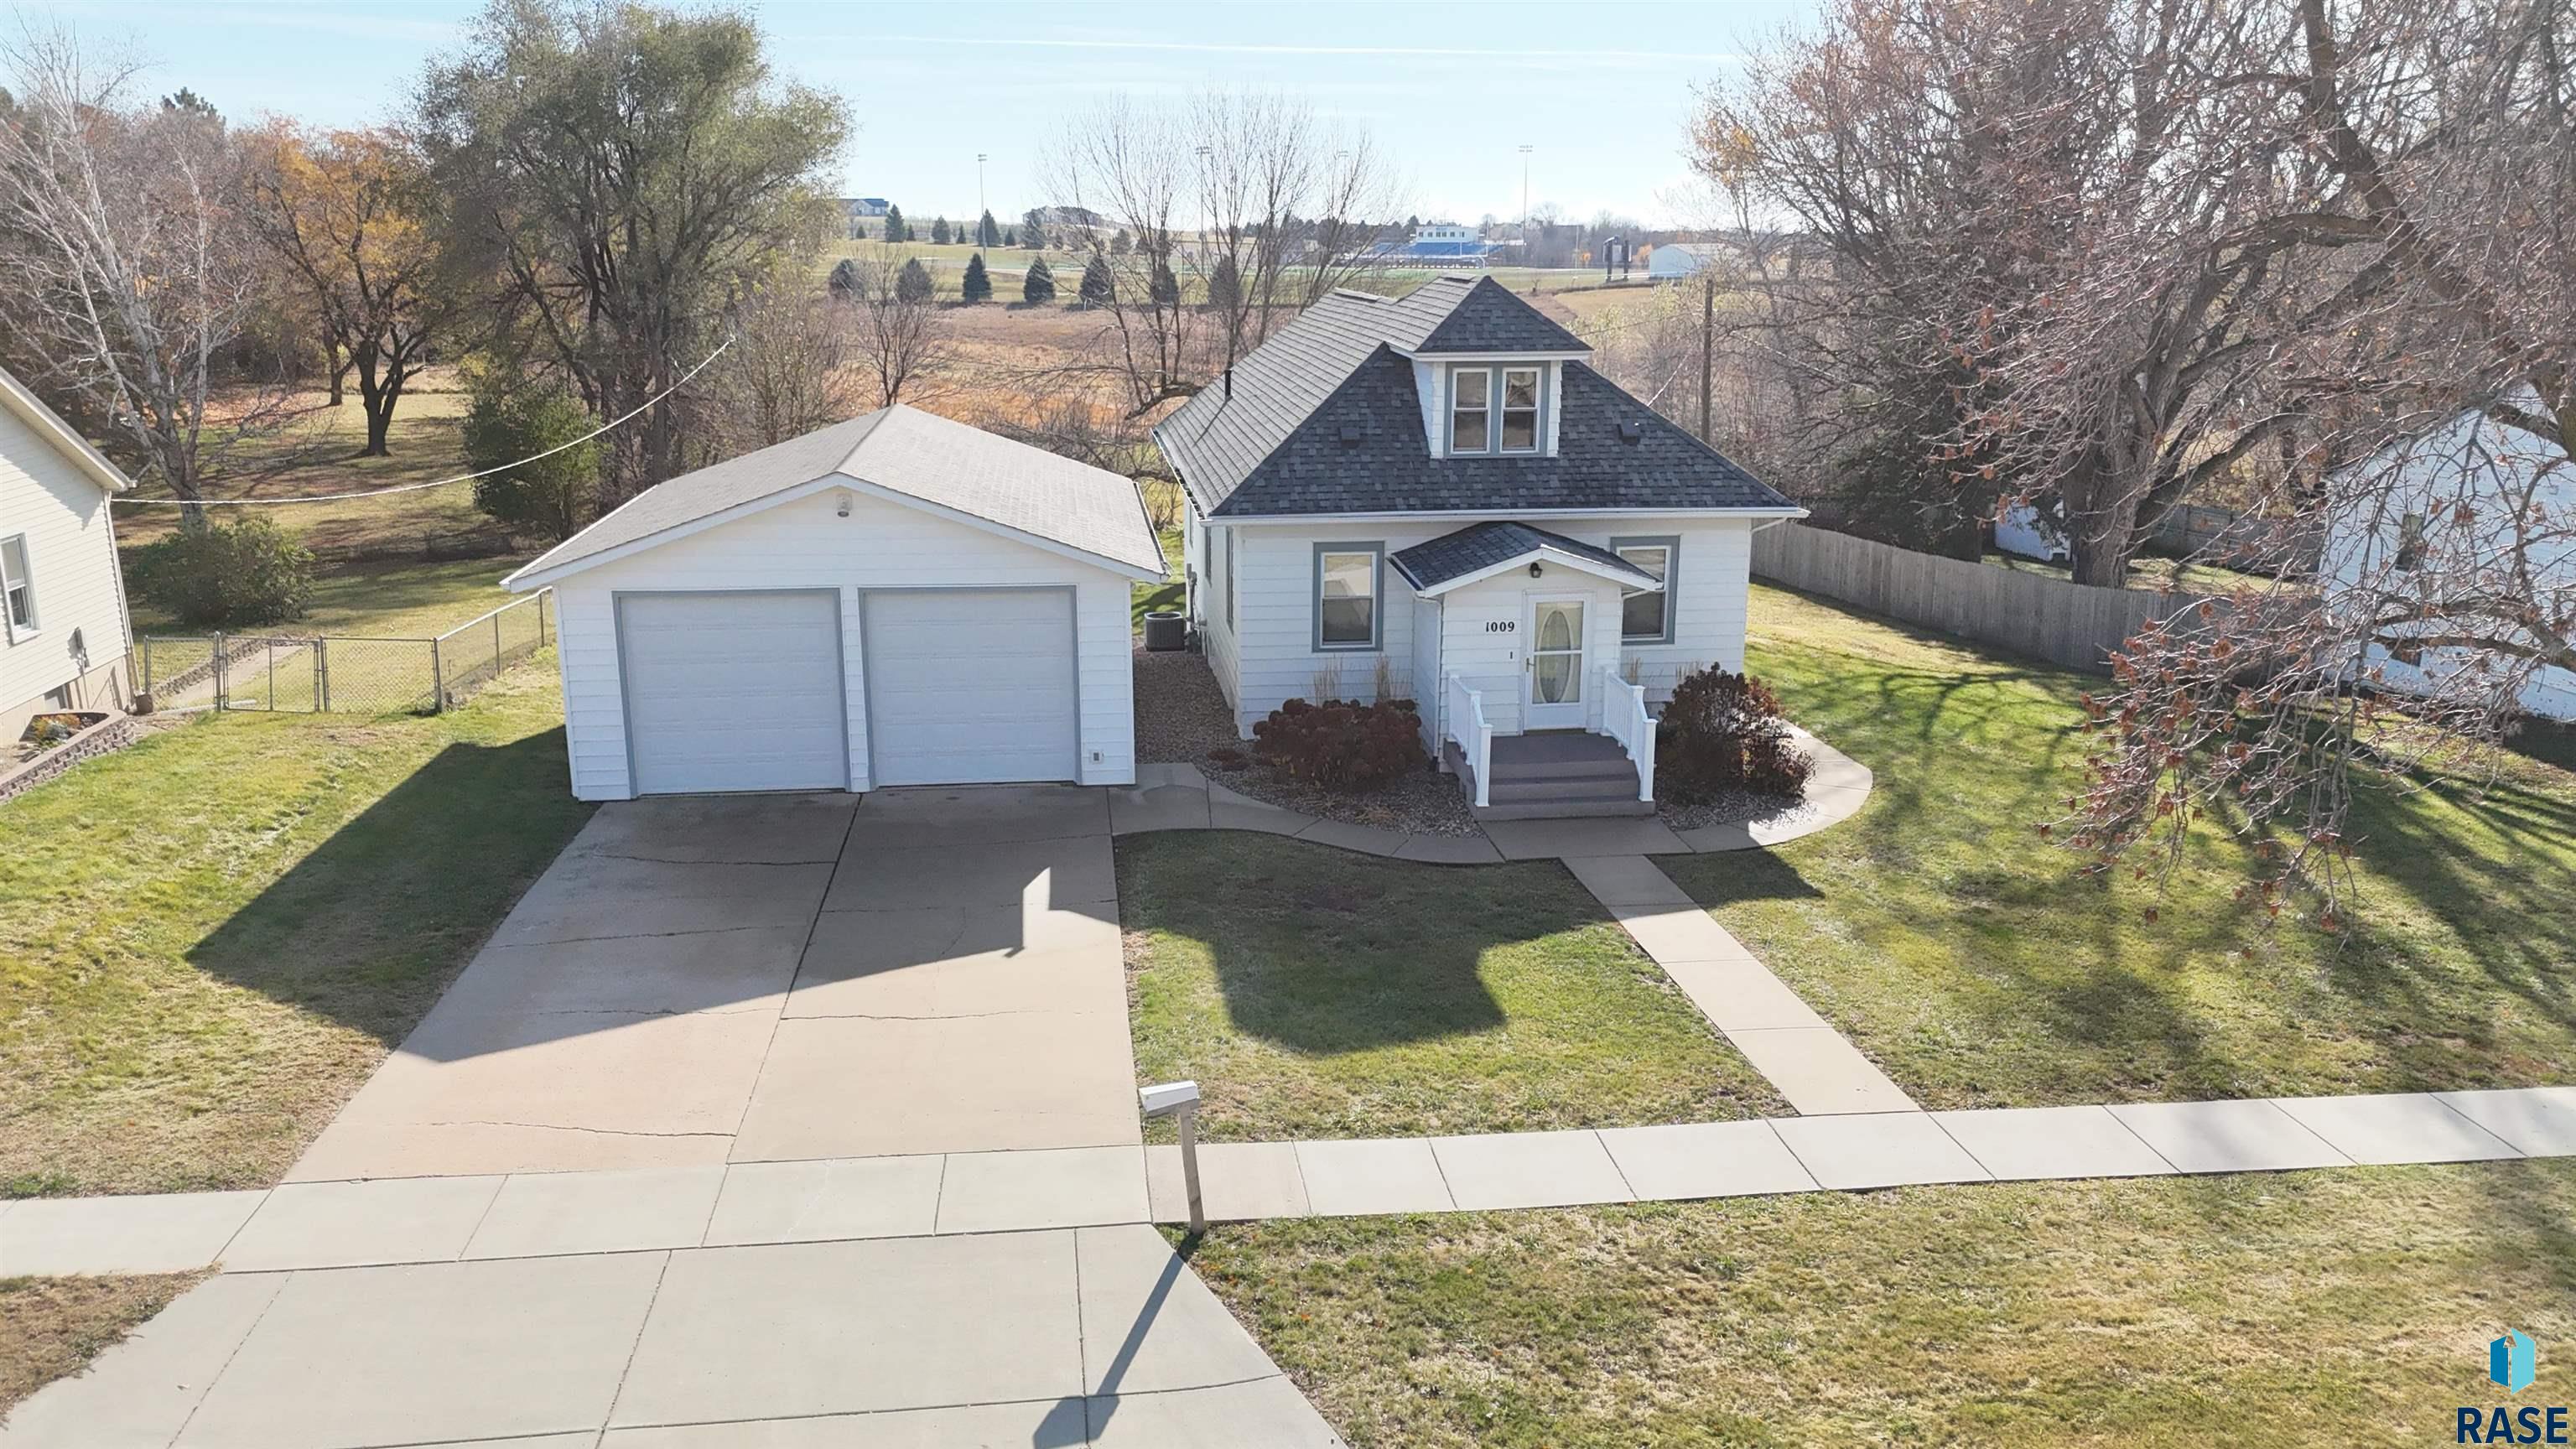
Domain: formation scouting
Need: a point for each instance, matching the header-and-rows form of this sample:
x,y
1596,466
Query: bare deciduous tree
x,y
792,367
128,266
898,333
1242,209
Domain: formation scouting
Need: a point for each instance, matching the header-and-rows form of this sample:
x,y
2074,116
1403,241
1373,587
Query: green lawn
x,y
391,599
1961,952
2267,1311
2149,571
1312,992
208,940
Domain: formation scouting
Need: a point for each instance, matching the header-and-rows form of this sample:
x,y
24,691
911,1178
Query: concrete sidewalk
x,y
1060,1338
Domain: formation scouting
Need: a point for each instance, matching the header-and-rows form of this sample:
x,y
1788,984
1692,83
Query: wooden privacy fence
x,y
2059,620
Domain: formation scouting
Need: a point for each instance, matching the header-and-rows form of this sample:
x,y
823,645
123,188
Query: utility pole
x,y
1525,243
1707,329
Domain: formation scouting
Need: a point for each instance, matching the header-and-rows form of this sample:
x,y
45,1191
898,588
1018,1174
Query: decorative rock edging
x,y
105,737
1181,797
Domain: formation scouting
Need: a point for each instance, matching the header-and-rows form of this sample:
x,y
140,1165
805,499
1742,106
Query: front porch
x,y
1535,712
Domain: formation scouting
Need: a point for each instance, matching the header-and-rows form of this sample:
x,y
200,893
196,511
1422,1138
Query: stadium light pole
x,y
1525,168
981,205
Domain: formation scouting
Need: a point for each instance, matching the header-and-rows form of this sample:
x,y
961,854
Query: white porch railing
x,y
1624,718
1463,720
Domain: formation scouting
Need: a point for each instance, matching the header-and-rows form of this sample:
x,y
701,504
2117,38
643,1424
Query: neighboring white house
x,y
64,636
2401,515
893,600
1435,491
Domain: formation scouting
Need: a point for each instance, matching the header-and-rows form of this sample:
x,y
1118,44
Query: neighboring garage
x,y
894,600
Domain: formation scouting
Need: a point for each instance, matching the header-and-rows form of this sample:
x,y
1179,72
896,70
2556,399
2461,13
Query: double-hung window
x,y
1471,418
17,591
1520,409
1646,615
1346,594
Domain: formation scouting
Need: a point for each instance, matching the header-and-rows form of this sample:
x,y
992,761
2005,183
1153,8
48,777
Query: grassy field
x,y
51,1327
209,940
1316,993
2268,1311
317,453
1961,952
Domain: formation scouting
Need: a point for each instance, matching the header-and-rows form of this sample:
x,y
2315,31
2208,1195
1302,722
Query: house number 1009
x,y
1500,626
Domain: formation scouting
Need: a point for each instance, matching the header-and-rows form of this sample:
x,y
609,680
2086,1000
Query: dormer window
x,y
1470,410
1520,409
1478,394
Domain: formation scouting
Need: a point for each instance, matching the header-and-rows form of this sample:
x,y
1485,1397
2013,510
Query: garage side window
x,y
16,588
1346,594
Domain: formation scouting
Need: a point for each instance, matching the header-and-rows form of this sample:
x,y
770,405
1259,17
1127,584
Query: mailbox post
x,y
1181,1100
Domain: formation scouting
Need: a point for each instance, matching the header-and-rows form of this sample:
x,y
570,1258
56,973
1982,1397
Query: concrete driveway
x,y
747,978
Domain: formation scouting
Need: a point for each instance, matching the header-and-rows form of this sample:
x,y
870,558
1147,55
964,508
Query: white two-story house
x,y
1435,495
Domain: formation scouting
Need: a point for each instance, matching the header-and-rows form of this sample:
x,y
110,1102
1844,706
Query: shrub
x,y
506,425
1342,744
227,575
1724,732
913,283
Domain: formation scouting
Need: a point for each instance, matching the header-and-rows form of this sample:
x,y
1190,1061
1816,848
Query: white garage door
x,y
732,691
971,686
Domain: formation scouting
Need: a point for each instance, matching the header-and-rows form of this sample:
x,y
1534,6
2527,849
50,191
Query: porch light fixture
x,y
843,496
1534,568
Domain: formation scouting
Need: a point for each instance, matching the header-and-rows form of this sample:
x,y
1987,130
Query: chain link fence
x,y
343,674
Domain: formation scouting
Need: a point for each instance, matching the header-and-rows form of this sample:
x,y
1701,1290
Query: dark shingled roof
x,y
1480,546
1276,446
1490,319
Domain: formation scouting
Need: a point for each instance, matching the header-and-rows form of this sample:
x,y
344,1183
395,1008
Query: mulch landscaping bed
x,y
1182,718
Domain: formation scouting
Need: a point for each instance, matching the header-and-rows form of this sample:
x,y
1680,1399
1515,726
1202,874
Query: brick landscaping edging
x,y
105,737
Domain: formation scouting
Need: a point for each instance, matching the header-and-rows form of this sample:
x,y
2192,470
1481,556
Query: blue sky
x,y
1602,91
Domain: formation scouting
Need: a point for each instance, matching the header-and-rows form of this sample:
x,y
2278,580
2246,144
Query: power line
x,y
441,482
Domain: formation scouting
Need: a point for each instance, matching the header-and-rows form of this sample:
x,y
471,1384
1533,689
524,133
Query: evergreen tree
x,y
845,278
1098,289
1009,237
1166,288
1121,242
939,231
895,228
986,233
978,286
1039,285
1032,229
913,283
1225,286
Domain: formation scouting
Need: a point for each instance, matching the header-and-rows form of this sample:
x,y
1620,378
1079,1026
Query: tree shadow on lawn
x,y
374,923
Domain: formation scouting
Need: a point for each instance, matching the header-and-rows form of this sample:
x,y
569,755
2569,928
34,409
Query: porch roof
x,y
1482,550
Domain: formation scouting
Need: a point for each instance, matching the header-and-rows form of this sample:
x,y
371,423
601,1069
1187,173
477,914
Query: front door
x,y
1555,674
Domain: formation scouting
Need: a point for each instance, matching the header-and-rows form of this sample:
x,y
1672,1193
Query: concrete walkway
x,y
306,1227
1181,797
1812,1065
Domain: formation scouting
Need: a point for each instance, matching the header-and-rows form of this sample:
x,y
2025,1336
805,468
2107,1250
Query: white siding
x,y
1270,657
802,544
71,559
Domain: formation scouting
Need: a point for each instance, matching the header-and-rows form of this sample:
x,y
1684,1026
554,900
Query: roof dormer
x,y
1490,373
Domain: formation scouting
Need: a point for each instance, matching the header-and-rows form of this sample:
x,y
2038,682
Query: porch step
x,y
1554,777
1587,809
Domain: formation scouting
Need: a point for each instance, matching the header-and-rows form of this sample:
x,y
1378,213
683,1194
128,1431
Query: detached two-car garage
x,y
896,600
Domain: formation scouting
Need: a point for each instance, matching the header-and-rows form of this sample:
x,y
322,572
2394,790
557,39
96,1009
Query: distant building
x,y
1441,244
858,211
1081,216
1674,260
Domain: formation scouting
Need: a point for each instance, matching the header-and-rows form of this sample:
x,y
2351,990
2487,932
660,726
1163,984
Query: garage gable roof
x,y
897,452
